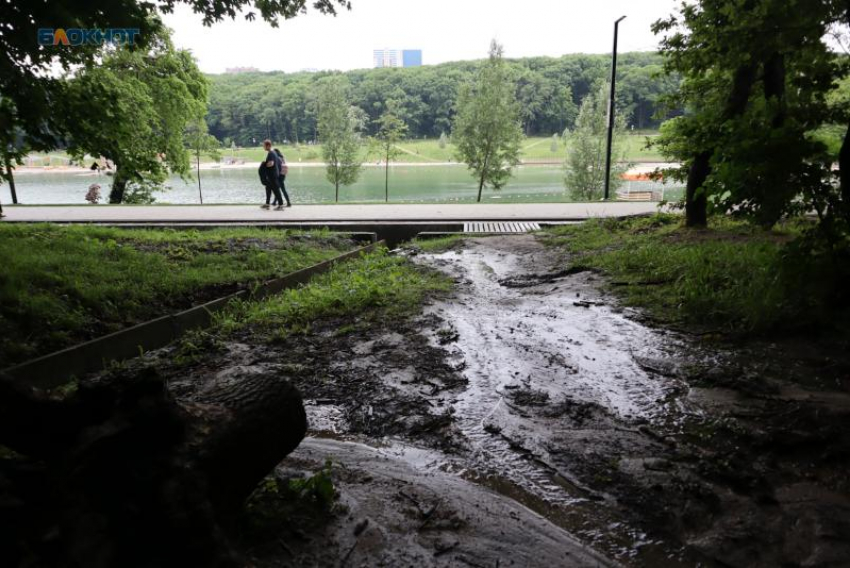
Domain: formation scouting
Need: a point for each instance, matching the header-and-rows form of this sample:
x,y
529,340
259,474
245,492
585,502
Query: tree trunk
x,y
844,162
119,186
337,191
772,200
200,194
774,86
123,473
11,176
483,173
696,202
387,179
844,175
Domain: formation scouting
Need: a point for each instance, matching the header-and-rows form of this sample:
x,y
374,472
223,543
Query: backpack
x,y
263,174
284,169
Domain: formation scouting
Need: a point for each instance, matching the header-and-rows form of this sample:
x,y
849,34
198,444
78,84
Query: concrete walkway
x,y
325,213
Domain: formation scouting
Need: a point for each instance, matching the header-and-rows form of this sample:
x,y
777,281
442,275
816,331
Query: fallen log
x,y
121,473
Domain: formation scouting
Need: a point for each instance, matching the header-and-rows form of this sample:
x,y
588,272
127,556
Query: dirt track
x,y
529,390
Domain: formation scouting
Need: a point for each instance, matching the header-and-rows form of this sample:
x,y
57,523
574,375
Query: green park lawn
x,y
63,285
424,151
375,287
731,277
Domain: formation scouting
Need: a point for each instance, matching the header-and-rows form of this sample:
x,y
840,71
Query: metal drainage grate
x,y
502,228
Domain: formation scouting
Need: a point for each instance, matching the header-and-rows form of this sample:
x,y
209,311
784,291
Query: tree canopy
x,y
756,76
133,109
31,91
251,106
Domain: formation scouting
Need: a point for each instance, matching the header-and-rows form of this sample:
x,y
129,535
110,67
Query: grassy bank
x,y
535,149
436,244
730,277
538,149
63,285
376,287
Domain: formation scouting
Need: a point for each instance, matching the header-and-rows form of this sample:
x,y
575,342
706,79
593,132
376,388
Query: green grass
x,y
534,149
540,149
436,244
732,276
63,285
376,287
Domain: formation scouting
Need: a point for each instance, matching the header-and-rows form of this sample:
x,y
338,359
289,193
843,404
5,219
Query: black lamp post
x,y
611,111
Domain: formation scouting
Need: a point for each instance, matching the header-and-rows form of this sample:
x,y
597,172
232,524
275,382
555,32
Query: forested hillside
x,y
245,108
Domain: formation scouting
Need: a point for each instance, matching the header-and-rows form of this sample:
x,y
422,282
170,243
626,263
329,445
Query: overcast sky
x,y
445,30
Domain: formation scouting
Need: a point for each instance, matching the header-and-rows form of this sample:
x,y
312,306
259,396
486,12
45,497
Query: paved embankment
x,y
325,213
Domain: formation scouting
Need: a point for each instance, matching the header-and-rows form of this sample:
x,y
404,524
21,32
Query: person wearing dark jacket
x,y
269,172
282,177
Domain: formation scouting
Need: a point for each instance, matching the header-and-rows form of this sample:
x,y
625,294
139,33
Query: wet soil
x,y
397,509
542,420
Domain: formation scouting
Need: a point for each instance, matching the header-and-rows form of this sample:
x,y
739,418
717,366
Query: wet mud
x,y
397,507
543,421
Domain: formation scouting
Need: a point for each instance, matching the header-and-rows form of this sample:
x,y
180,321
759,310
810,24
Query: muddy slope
x,y
530,395
698,452
396,510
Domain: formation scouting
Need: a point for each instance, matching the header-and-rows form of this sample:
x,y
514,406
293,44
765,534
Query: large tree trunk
x,y
119,186
123,474
696,204
200,193
11,177
772,198
844,159
844,175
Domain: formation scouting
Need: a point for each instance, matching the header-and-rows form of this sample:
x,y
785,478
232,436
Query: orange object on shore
x,y
638,176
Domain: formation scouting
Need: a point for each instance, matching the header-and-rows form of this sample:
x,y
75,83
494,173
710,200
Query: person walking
x,y
269,174
284,169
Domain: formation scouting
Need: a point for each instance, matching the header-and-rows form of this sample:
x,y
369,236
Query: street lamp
x,y
611,111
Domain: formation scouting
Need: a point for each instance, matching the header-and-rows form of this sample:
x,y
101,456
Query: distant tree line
x,y
246,108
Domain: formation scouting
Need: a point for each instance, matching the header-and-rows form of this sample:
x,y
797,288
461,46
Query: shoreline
x,y
637,166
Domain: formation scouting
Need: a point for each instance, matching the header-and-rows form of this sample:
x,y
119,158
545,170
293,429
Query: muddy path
x,y
543,421
655,447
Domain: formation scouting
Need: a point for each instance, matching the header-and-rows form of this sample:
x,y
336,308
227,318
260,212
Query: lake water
x,y
414,184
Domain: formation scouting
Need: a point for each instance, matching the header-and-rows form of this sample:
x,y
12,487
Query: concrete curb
x,y
57,368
